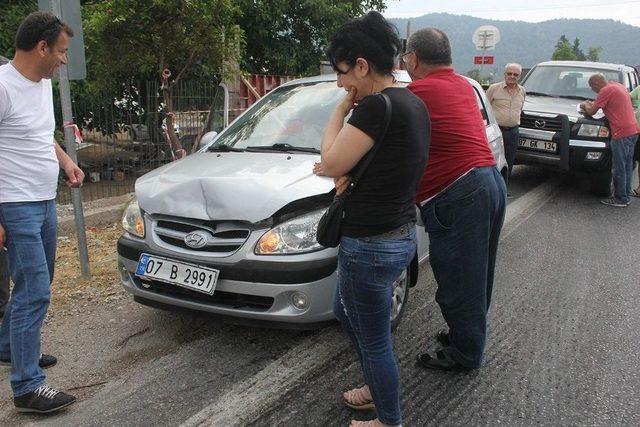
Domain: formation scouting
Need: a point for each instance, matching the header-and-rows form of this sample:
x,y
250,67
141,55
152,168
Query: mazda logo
x,y
540,124
195,240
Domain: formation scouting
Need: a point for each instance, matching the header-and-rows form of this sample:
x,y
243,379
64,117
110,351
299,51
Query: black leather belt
x,y
396,233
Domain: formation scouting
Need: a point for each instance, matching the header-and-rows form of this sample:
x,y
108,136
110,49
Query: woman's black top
x,y
384,199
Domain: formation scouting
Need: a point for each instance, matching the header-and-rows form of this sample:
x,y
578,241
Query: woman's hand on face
x,y
348,102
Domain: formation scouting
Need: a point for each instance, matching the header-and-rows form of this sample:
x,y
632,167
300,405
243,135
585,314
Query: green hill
x,y
530,43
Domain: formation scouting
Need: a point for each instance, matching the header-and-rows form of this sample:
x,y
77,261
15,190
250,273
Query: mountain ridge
x,y
619,41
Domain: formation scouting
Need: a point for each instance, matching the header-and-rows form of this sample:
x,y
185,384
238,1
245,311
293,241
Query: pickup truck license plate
x,y
536,144
195,277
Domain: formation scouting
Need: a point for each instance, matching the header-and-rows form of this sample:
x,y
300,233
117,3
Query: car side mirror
x,y
207,138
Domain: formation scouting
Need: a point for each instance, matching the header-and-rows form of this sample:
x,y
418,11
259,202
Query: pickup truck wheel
x,y
601,183
400,297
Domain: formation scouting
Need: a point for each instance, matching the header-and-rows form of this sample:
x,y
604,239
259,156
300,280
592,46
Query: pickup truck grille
x,y
217,239
543,123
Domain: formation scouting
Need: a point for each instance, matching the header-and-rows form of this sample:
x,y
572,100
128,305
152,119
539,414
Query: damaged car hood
x,y
230,186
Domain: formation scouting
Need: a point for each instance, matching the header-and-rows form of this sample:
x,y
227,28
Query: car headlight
x,y
132,220
593,131
292,237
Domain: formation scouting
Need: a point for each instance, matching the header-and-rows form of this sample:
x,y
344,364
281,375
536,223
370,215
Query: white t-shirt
x,y
28,163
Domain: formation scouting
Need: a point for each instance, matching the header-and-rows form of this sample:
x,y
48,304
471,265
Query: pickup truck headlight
x,y
593,131
292,237
132,220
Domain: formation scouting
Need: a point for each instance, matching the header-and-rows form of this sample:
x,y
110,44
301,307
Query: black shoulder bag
x,y
330,225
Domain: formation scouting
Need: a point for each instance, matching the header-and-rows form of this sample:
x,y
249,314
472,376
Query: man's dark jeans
x,y
464,223
622,157
510,137
4,280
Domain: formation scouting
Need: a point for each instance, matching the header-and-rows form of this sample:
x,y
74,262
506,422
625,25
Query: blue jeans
x,y
367,270
464,223
622,156
31,243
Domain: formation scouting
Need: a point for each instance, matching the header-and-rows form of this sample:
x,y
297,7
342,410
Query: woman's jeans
x,y
31,242
367,270
464,223
622,157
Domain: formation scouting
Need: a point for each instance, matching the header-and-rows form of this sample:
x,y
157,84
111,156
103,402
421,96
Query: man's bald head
x,y
597,82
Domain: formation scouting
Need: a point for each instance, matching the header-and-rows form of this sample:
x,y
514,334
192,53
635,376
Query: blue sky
x,y
521,10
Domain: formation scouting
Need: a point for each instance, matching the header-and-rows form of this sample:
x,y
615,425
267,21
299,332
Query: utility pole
x,y
69,138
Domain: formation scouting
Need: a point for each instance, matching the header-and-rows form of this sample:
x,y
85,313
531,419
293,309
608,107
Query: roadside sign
x,y
486,37
483,60
70,14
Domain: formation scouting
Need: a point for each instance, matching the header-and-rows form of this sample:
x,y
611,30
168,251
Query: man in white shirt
x,y
30,161
507,99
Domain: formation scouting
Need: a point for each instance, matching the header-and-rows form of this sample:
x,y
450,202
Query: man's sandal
x,y
635,192
357,399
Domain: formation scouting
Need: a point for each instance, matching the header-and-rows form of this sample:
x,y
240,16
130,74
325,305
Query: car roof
x,y
588,64
401,76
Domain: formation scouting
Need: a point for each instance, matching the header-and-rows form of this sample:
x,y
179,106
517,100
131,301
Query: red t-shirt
x,y
458,136
616,104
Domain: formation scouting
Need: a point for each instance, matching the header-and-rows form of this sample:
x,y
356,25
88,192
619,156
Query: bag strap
x,y
376,145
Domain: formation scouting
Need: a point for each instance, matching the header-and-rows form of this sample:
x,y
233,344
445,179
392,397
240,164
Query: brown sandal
x,y
357,399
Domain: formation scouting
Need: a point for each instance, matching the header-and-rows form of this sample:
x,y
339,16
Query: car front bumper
x,y
260,291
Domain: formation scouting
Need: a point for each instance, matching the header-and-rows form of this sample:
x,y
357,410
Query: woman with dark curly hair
x,y
378,230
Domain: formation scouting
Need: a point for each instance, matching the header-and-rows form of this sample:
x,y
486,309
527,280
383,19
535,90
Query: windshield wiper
x,y
283,147
584,98
225,149
539,94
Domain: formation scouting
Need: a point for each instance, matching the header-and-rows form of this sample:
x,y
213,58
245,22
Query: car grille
x,y
221,238
543,123
229,299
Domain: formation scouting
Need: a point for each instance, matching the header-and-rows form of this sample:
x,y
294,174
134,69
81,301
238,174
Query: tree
x,y
594,54
289,36
562,41
13,12
190,39
564,51
475,75
579,54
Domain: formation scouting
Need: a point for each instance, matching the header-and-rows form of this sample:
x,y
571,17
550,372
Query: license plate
x,y
195,277
536,144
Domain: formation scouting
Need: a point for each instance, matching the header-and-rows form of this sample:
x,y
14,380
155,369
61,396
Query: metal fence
x,y
123,137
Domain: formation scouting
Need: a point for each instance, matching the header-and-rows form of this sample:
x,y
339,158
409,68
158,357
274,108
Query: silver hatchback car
x,y
231,229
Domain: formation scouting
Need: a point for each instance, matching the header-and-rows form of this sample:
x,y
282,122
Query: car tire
x,y
400,297
601,183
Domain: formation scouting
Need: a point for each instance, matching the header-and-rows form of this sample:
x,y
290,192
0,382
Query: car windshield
x,y
292,116
565,82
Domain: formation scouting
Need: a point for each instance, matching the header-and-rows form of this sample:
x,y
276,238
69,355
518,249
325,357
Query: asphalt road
x,y
564,333
563,346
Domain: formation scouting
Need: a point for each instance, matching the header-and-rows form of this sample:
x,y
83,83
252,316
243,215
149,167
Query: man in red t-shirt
x,y
616,104
462,198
